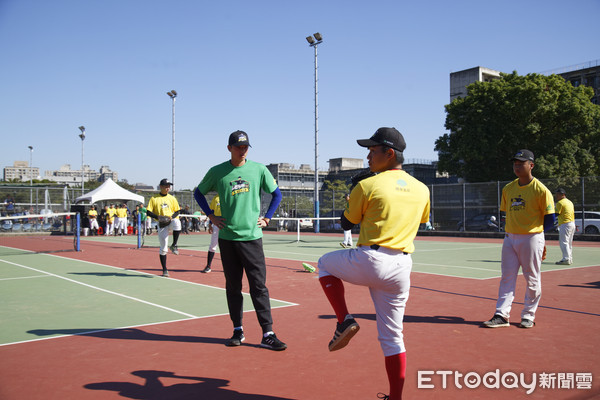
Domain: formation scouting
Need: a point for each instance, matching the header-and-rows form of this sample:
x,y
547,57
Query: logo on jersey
x,y
401,185
239,186
517,203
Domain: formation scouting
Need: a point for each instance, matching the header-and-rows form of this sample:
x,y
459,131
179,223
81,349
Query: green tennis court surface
x,y
45,295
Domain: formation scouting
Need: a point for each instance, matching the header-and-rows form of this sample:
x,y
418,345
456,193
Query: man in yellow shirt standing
x,y
93,218
566,225
164,204
529,209
215,205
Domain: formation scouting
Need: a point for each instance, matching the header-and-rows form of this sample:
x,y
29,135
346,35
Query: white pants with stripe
x,y
521,251
386,273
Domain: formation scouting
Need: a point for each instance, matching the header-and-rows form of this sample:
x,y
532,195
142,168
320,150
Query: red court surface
x,y
188,360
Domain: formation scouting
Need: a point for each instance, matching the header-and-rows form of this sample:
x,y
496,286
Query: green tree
x,y
544,114
333,194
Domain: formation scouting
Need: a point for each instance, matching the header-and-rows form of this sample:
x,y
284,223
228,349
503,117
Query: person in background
x,y
566,225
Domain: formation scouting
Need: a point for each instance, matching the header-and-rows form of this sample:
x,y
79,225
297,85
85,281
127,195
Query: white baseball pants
x,y
163,235
521,251
348,237
386,273
214,239
565,239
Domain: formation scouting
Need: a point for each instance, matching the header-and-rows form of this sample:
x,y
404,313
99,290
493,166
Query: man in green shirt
x,y
239,182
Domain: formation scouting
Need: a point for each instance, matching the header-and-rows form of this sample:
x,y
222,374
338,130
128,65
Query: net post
x,y
139,230
78,231
298,229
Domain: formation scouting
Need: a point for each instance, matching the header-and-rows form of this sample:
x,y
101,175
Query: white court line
x,y
144,273
25,277
102,290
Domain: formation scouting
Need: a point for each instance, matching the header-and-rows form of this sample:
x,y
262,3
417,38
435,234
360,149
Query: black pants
x,y
237,257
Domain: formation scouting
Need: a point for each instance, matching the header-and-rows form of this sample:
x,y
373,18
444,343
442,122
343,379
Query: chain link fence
x,y
454,207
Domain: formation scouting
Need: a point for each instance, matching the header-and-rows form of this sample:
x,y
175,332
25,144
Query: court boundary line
x,y
139,272
24,277
102,290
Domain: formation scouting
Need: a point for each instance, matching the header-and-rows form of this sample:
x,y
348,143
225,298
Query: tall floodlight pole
x,y
30,175
82,136
173,95
314,41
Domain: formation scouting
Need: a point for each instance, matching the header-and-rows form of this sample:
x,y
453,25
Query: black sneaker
x,y
236,339
343,333
271,342
497,321
206,270
174,249
527,323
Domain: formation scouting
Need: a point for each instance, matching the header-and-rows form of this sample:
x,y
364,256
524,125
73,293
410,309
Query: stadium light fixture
x,y
314,41
82,136
173,95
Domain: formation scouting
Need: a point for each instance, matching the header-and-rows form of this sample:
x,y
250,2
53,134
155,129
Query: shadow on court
x,y
128,334
119,274
589,285
416,319
153,388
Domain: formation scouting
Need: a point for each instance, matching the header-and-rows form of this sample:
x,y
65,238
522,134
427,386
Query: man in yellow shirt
x,y
165,204
93,218
121,220
529,209
389,208
215,205
110,220
566,225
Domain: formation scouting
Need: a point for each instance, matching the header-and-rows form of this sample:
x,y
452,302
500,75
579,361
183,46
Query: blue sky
x,y
246,65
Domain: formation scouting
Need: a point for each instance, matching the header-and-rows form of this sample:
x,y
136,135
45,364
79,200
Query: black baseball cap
x,y
239,138
387,137
523,155
165,182
560,190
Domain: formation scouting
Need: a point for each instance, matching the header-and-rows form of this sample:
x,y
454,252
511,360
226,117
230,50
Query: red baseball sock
x,y
334,290
396,370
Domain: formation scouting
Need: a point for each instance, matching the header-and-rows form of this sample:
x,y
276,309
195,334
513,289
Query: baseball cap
x,y
165,182
239,138
560,190
385,136
523,155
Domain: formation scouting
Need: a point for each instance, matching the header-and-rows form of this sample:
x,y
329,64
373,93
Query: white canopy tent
x,y
109,190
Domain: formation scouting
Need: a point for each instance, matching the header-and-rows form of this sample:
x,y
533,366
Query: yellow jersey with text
x,y
163,205
565,210
121,213
389,208
526,206
92,214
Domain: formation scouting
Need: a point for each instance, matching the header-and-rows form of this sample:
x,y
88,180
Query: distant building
x,y
587,74
72,177
21,171
461,79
